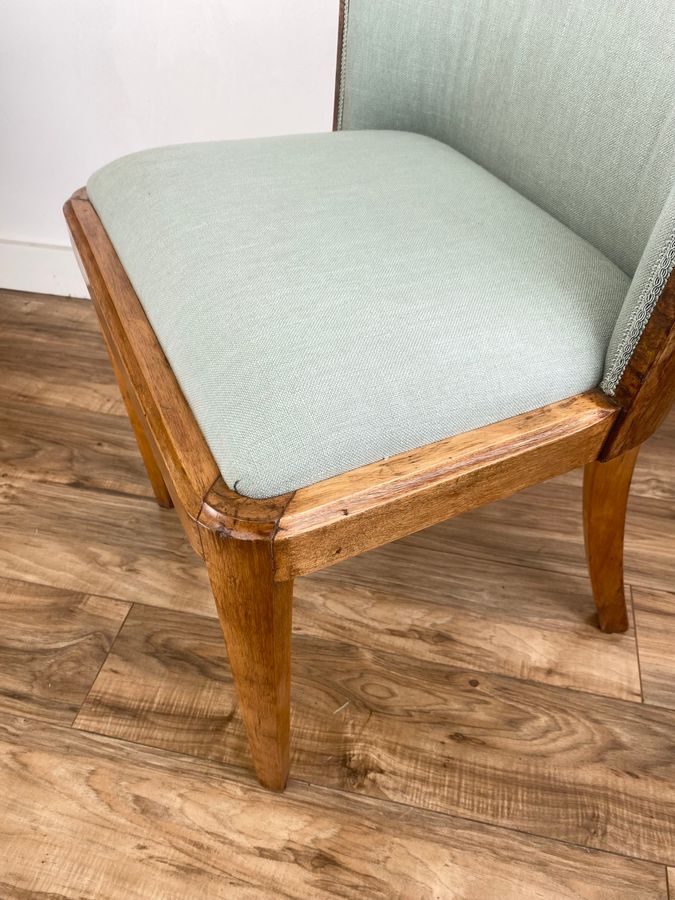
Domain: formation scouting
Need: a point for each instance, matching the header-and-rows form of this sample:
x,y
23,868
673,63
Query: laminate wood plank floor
x,y
91,817
655,619
461,727
82,448
52,645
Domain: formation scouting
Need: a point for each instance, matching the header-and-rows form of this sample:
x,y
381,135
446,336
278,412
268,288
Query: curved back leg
x,y
606,488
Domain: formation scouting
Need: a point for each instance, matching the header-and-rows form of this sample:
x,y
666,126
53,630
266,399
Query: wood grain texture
x,y
647,388
499,591
255,616
100,543
552,762
184,828
157,468
316,526
654,475
28,310
182,663
367,507
179,462
426,601
82,449
541,527
51,352
186,460
241,517
152,468
341,516
655,625
52,644
535,626
606,488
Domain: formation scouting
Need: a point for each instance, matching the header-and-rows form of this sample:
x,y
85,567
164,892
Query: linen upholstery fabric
x,y
571,102
329,300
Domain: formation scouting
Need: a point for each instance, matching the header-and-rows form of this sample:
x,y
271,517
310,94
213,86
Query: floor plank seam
x,y
242,772
6,402
89,488
560,755
551,568
105,659
455,815
631,603
454,668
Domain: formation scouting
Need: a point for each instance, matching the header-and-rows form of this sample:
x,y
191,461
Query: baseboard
x,y
42,268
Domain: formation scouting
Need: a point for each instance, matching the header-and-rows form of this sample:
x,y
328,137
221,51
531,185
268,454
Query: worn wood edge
x,y
201,497
201,493
418,470
646,390
187,520
406,476
234,515
183,452
378,497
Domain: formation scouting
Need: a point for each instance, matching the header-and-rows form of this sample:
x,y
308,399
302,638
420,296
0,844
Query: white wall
x,y
85,81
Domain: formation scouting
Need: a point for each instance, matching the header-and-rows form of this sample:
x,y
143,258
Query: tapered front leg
x,y
255,615
606,489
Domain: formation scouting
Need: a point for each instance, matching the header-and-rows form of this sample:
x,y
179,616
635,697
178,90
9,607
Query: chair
x,y
327,342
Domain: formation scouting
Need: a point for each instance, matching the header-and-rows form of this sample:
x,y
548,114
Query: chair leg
x,y
255,615
606,488
155,476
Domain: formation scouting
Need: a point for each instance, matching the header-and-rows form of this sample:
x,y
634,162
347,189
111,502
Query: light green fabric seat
x,y
329,300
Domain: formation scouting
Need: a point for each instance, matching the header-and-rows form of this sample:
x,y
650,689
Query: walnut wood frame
x,y
254,549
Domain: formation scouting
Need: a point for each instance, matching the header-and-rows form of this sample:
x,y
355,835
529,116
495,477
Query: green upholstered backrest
x,y
571,102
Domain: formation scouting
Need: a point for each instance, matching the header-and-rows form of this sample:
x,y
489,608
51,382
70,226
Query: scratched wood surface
x,y
461,728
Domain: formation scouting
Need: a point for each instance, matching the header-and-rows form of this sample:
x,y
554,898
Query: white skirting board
x,y
42,268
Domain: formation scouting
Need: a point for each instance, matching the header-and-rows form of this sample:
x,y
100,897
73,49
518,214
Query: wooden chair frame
x,y
253,549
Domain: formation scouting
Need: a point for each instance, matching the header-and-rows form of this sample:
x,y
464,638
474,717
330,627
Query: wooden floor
x,y
461,729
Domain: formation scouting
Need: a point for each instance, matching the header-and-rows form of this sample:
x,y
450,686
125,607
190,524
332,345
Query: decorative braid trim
x,y
661,272
343,64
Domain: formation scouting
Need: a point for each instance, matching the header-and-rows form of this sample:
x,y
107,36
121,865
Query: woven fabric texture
x,y
329,300
570,102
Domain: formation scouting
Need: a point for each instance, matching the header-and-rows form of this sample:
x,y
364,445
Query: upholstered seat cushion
x,y
329,300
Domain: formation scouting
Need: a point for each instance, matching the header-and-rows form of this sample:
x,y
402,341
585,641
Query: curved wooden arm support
x,y
646,391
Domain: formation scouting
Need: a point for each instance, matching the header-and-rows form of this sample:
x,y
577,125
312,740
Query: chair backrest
x,y
571,102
